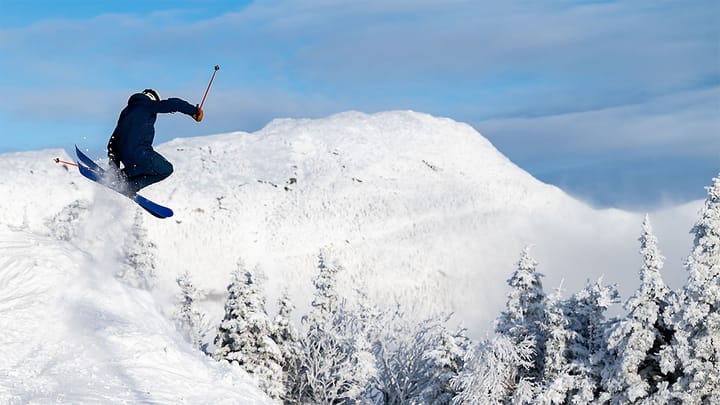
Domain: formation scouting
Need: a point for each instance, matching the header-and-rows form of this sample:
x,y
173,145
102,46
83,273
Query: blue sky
x,y
618,102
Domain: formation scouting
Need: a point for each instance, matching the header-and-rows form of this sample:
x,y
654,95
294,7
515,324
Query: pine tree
x,y
335,361
399,349
490,375
417,362
556,379
138,268
369,317
447,360
326,299
695,313
189,321
636,341
244,335
524,312
372,324
287,338
587,351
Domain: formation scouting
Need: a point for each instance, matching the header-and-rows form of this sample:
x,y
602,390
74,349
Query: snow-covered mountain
x,y
417,209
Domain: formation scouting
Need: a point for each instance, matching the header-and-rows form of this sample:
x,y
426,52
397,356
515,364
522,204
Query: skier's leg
x,y
160,169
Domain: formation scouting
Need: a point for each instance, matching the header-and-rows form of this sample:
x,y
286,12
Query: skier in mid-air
x,y
131,141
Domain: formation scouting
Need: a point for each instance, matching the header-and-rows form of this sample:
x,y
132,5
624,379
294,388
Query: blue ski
x,y
92,171
89,163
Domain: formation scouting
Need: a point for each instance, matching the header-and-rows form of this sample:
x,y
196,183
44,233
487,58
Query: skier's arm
x,y
175,105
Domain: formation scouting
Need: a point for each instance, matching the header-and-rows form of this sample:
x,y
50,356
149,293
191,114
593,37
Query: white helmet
x,y
152,94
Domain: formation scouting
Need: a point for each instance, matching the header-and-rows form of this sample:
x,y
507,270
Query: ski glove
x,y
198,116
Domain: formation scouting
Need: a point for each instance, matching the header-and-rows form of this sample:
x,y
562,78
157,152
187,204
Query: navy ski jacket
x,y
131,141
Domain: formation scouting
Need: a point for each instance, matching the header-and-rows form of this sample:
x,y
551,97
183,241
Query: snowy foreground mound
x,y
418,210
72,334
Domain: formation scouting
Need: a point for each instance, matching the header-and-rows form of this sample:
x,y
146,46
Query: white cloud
x,y
680,124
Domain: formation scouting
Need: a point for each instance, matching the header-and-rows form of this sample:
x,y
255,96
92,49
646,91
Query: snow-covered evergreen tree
x,y
635,342
490,375
524,312
403,371
556,380
373,323
587,351
695,314
287,338
244,335
326,299
138,268
447,360
189,321
369,316
417,361
335,361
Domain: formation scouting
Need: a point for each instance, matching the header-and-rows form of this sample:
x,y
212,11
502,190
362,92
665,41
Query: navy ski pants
x,y
158,169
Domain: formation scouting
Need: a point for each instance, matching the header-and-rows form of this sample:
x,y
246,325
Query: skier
x,y
131,141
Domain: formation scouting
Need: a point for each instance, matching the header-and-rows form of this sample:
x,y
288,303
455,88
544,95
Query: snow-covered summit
x,y
410,204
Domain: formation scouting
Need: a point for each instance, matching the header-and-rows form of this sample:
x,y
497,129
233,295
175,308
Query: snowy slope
x,y
418,209
72,334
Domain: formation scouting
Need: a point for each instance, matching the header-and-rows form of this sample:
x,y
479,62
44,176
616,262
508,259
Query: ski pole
x,y
217,67
57,160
